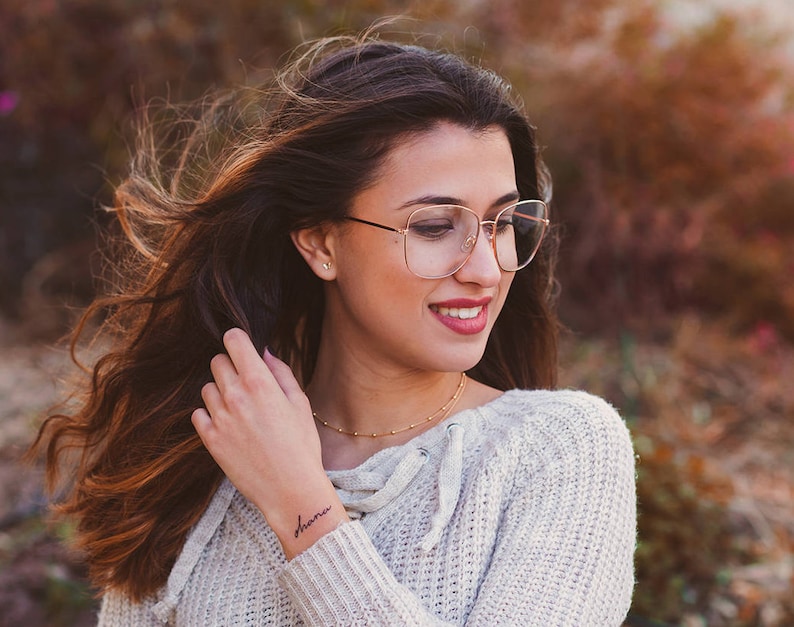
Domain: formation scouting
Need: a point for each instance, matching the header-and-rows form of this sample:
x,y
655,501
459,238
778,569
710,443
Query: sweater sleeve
x,y
342,580
565,551
564,554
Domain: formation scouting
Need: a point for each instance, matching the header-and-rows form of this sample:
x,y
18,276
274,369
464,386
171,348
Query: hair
x,y
206,215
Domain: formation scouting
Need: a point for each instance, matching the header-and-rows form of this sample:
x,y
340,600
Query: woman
x,y
303,415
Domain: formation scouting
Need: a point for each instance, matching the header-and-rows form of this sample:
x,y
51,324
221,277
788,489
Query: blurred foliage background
x,y
669,131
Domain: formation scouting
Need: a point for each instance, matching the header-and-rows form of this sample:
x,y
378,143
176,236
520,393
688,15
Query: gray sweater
x,y
519,512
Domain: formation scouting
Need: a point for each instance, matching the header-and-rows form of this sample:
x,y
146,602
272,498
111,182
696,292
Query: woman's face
x,y
380,310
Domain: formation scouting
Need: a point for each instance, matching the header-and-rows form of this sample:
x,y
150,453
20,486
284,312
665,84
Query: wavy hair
x,y
206,213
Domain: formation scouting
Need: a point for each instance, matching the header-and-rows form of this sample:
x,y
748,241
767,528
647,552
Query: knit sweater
x,y
519,512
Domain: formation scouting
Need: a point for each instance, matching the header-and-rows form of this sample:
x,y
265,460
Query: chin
x,y
460,361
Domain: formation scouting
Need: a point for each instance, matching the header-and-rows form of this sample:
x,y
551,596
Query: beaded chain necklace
x,y
441,411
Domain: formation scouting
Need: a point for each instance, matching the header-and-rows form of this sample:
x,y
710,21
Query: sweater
x,y
518,512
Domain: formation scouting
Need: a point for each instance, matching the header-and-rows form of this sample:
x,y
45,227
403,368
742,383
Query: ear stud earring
x,y
327,265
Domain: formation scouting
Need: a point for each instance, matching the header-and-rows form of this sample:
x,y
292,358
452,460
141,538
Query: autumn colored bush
x,y
681,507
675,173
712,433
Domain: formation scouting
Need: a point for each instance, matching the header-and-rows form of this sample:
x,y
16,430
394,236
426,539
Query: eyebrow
x,y
450,200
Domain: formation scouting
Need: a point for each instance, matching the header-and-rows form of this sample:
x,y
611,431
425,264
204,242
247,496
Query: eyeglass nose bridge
x,y
468,244
471,239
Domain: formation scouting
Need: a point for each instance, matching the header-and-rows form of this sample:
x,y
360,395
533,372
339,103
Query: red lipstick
x,y
466,316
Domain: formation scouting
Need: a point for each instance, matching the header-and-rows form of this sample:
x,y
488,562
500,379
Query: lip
x,y
470,326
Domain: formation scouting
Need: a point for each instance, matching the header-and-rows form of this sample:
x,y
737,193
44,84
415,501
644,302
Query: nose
x,y
481,267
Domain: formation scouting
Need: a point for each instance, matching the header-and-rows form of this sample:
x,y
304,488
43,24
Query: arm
x,y
253,403
563,557
566,545
342,580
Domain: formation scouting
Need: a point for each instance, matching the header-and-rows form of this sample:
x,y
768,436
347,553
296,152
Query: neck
x,y
441,413
359,398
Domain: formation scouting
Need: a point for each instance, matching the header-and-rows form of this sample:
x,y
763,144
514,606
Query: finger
x,y
283,375
202,423
242,351
223,371
213,399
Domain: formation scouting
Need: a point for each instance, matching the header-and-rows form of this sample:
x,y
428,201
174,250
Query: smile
x,y
463,313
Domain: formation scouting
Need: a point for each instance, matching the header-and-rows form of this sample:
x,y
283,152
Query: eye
x,y
504,224
432,228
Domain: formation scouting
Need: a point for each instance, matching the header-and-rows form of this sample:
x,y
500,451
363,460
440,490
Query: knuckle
x,y
235,397
252,380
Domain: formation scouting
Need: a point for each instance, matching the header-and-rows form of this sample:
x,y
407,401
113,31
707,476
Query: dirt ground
x,y
41,581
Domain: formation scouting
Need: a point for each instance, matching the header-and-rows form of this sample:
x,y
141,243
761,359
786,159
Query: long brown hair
x,y
206,223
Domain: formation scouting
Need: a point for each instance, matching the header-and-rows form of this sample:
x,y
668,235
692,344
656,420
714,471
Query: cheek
x,y
504,288
366,250
371,269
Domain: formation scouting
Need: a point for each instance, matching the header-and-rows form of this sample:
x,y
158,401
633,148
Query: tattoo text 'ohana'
x,y
304,526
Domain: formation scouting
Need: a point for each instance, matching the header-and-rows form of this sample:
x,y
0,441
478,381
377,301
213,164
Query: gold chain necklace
x,y
441,411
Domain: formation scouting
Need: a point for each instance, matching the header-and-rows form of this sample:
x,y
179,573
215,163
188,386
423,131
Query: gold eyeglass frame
x,y
471,241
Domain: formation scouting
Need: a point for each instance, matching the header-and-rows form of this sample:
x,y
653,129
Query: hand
x,y
258,427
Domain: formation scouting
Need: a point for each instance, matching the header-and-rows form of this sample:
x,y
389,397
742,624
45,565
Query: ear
x,y
316,246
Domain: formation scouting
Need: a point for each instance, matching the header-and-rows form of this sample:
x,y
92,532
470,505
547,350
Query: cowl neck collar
x,y
383,477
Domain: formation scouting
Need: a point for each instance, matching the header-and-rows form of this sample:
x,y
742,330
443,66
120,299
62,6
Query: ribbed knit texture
x,y
519,512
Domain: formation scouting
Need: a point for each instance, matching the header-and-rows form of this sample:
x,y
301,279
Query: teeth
x,y
464,313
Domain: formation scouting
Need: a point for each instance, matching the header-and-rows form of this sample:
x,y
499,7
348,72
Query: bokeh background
x,y
669,129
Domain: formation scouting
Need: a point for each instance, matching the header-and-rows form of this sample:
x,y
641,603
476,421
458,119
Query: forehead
x,y
475,167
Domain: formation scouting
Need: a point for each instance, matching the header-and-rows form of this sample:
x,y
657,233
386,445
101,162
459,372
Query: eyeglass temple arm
x,y
530,217
380,226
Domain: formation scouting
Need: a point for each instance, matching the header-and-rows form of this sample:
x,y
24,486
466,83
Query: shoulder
x,y
560,425
568,413
567,402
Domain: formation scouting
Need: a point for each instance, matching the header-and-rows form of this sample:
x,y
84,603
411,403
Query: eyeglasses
x,y
440,239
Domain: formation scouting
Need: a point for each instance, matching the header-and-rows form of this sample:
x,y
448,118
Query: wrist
x,y
300,519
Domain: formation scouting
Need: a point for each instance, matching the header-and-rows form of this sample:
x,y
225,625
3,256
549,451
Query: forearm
x,y
343,580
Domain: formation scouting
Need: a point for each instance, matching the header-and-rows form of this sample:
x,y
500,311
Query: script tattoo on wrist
x,y
303,526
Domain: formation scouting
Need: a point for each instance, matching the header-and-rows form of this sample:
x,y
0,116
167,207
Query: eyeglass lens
x,y
440,239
